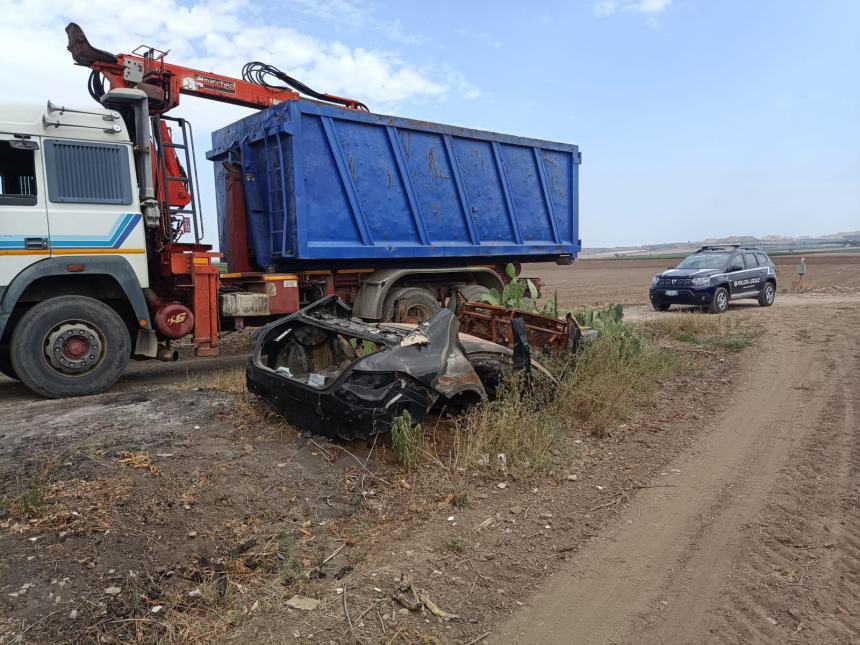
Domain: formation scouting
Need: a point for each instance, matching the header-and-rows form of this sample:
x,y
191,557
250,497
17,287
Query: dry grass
x,y
731,333
248,410
609,381
139,461
598,388
27,496
516,425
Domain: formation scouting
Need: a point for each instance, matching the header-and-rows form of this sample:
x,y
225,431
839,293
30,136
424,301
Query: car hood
x,y
689,273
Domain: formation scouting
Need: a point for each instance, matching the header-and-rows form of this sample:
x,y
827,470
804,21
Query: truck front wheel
x,y
70,346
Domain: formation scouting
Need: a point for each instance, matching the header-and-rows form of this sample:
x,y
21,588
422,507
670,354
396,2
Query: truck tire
x,y
420,304
767,295
6,364
720,301
472,292
70,346
660,306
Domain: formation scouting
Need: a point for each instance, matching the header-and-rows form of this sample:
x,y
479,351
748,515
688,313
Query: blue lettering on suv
x,y
713,276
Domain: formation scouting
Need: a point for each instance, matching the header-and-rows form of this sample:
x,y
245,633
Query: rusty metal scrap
x,y
496,324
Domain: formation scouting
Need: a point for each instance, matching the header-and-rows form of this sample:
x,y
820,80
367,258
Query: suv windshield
x,y
705,261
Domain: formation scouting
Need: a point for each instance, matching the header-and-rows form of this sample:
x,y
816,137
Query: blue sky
x,y
696,118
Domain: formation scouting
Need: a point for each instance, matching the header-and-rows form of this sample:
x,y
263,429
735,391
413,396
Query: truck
x,y
102,253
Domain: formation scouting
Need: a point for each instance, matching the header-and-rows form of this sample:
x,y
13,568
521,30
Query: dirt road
x,y
754,536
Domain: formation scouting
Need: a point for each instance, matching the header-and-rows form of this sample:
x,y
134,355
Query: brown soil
x,y
591,282
732,499
755,536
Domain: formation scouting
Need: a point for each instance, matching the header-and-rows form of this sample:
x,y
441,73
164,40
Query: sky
x,y
695,118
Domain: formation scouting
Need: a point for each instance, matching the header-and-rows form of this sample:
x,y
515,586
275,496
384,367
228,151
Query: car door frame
x,y
758,272
735,276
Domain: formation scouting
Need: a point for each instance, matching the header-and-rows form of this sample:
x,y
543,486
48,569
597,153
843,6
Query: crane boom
x,y
146,69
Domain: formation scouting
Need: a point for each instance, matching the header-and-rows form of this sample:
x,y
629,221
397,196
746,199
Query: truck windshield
x,y
705,261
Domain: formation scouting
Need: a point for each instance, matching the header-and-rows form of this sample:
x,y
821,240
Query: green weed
x,y
458,543
406,439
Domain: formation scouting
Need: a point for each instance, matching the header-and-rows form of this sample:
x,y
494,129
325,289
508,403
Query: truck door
x,y
93,206
23,213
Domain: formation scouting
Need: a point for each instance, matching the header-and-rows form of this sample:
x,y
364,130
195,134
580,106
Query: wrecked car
x,y
338,376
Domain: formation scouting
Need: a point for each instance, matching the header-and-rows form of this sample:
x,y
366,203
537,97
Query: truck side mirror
x,y
23,144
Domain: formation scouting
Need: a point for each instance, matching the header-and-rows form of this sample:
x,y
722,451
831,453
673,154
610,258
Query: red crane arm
x,y
164,82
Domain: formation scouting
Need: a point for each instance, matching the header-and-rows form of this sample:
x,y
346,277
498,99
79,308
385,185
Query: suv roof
x,y
729,247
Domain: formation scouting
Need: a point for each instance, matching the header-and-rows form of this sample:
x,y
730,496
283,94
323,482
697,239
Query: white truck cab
x,y
73,255
67,188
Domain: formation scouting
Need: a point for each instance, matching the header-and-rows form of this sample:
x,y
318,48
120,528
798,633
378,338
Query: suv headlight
x,y
699,282
655,280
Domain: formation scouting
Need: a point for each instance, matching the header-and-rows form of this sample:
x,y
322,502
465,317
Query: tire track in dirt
x,y
658,575
797,579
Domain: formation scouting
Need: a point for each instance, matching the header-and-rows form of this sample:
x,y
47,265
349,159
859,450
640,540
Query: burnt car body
x,y
337,376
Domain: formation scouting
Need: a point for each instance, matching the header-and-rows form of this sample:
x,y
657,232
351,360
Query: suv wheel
x,y
720,302
660,307
767,295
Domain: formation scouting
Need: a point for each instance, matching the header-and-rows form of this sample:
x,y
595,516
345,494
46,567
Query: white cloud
x,y
605,7
351,16
654,6
651,7
215,35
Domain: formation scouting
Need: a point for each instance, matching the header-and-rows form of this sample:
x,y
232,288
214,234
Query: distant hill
x,y
773,243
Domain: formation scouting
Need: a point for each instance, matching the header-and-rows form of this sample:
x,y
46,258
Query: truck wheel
x,y
70,346
6,364
720,301
420,305
660,307
472,292
767,295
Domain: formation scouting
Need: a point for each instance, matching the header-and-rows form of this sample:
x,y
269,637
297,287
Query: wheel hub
x,y
417,314
74,348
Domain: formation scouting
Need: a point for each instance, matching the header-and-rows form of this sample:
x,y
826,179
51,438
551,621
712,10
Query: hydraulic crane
x,y
183,271
146,69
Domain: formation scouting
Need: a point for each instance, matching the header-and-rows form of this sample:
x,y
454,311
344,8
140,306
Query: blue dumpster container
x,y
326,184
